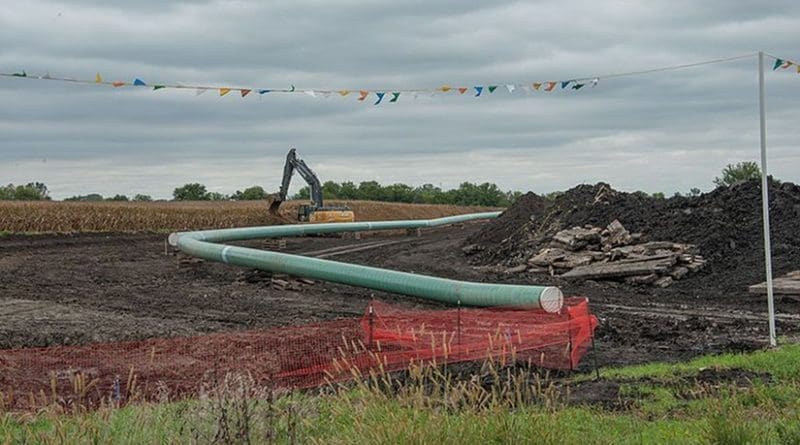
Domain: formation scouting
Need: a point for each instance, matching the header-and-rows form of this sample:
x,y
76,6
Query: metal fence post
x,y
458,323
371,326
765,200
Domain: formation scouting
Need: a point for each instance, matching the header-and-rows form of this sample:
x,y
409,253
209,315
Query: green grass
x,y
782,364
430,408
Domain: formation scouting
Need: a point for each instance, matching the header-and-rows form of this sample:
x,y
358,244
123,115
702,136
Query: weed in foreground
x,y
491,402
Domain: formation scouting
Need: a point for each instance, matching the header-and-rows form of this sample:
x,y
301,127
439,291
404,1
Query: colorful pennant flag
x,y
549,86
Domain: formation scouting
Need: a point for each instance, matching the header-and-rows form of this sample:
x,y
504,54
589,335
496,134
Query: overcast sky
x,y
661,132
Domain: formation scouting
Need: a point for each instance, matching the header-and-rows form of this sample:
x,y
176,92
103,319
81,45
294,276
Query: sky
x,y
662,132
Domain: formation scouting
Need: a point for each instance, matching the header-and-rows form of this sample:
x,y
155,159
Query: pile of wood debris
x,y
274,280
613,253
785,287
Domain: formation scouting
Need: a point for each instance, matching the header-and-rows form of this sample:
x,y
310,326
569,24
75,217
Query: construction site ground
x,y
90,288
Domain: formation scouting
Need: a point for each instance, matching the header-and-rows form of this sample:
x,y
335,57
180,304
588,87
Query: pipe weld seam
x,y
225,254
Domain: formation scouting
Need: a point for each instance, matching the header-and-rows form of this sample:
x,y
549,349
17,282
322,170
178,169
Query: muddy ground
x,y
79,289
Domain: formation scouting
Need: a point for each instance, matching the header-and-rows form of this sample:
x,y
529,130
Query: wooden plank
x,y
577,238
663,282
547,256
619,270
782,286
788,284
667,257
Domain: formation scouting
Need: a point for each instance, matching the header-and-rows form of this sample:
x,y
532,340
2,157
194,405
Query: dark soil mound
x,y
725,224
514,222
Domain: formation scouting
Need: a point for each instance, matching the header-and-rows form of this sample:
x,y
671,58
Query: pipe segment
x,y
246,233
203,244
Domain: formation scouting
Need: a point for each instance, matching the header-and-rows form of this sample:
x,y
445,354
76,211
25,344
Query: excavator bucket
x,y
274,201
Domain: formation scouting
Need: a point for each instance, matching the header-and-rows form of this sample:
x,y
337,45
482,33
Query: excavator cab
x,y
315,212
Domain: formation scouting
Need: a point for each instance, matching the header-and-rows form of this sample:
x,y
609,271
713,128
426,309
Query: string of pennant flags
x,y
393,95
785,64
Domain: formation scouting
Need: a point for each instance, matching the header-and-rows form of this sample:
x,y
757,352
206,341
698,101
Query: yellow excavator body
x,y
331,216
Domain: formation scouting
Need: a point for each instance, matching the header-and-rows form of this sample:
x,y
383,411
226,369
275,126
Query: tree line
x,y
467,193
485,194
32,191
95,197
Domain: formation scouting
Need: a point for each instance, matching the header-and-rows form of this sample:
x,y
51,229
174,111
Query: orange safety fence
x,y
387,338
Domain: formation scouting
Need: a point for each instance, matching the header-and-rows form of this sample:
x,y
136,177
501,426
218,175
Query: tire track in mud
x,y
689,313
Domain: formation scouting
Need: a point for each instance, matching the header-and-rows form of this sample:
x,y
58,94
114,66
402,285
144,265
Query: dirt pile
x,y
724,224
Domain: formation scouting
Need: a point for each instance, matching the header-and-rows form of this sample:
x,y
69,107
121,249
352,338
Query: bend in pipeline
x,y
203,244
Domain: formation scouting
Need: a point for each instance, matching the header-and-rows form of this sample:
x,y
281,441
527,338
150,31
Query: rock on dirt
x,y
607,253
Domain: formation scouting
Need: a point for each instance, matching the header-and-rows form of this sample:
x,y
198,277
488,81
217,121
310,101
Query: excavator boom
x,y
316,212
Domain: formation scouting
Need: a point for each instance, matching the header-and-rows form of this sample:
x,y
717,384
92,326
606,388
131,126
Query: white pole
x,y
765,199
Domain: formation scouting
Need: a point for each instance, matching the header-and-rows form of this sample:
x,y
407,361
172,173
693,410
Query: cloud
x,y
661,132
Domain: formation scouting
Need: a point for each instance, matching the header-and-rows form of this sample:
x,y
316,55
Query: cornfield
x,y
71,217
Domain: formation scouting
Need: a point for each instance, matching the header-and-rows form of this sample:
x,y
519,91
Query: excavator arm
x,y
316,212
294,163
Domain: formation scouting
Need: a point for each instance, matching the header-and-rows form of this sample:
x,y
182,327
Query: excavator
x,y
316,212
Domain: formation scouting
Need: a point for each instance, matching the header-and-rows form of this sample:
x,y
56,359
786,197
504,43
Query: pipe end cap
x,y
551,299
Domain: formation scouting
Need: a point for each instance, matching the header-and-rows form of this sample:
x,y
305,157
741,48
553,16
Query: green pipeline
x,y
206,244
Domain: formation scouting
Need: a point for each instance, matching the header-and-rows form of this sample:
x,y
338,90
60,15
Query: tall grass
x,y
441,405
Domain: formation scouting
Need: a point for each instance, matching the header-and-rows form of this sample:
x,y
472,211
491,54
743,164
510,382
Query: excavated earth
x,y
724,224
89,288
